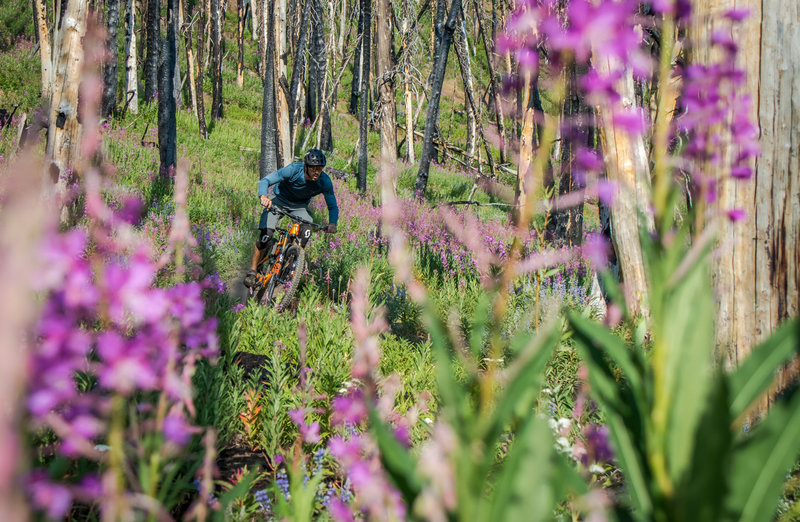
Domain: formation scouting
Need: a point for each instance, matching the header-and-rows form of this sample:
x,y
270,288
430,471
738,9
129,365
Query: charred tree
x,y
363,116
358,64
109,102
317,61
216,59
187,45
269,144
437,79
240,12
167,106
566,225
298,69
462,52
201,105
152,48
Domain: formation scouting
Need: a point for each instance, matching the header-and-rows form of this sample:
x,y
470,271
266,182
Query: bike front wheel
x,y
283,285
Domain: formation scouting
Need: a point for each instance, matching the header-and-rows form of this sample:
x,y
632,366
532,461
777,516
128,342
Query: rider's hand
x,y
331,228
265,201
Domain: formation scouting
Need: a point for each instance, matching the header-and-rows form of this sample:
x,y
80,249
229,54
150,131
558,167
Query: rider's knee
x,y
305,235
264,235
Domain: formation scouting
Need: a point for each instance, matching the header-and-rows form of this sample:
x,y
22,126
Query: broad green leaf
x,y
685,333
757,372
397,462
625,419
629,364
700,494
761,460
533,478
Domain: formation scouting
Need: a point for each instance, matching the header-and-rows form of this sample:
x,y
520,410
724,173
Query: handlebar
x,y
278,210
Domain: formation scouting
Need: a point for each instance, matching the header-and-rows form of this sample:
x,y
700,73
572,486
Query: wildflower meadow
x,y
540,334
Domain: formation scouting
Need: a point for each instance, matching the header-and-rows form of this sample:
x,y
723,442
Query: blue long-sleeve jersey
x,y
291,185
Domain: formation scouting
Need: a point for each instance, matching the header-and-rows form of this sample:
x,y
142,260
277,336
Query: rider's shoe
x,y
250,279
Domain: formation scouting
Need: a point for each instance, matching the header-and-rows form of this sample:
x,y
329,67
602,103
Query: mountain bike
x,y
279,272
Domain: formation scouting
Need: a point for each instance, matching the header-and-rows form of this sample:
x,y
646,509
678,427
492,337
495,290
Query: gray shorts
x,y
269,219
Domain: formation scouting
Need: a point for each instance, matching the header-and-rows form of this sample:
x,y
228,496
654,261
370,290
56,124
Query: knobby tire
x,y
294,254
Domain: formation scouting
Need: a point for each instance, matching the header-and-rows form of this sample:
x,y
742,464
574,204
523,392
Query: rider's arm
x,y
330,201
276,177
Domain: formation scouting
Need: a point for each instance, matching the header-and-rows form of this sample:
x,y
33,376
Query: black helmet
x,y
314,157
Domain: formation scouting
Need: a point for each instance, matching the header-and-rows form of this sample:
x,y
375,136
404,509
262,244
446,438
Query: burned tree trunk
x,y
152,47
216,59
363,116
240,40
317,61
566,225
167,106
109,103
201,104
494,92
131,79
187,45
358,64
432,116
386,83
269,145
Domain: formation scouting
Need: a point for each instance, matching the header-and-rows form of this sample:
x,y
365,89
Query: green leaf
x,y
684,336
525,374
397,462
239,490
761,460
757,372
701,493
533,478
624,412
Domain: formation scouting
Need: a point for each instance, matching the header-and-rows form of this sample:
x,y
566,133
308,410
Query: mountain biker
x,y
294,186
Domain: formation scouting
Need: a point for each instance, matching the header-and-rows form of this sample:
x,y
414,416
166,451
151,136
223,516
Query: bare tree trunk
x,y
187,44
152,46
566,225
494,91
298,68
254,18
131,79
462,52
201,37
269,144
409,113
316,62
437,78
358,64
216,60
758,278
167,105
363,124
342,30
240,41
64,131
176,68
40,23
285,152
109,101
386,83
627,164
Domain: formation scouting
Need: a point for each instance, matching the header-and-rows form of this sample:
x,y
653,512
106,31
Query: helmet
x,y
314,157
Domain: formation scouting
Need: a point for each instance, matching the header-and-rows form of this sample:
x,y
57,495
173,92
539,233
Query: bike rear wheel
x,y
283,285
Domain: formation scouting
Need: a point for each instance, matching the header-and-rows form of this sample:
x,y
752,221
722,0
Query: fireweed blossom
x,y
104,319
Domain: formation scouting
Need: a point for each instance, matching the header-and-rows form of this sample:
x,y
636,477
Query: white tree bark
x,y
44,47
64,132
131,80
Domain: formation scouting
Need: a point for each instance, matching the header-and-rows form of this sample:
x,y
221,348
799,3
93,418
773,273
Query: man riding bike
x,y
295,185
